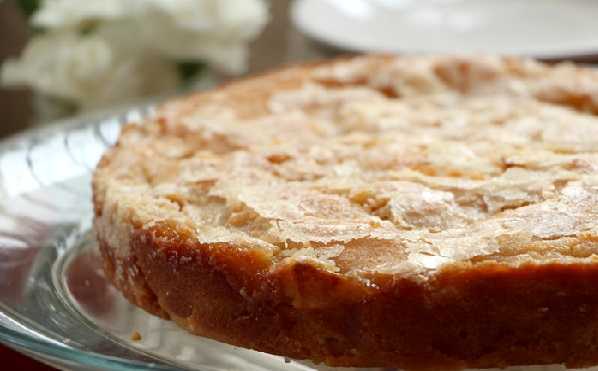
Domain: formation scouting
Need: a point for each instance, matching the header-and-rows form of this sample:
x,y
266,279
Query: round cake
x,y
418,212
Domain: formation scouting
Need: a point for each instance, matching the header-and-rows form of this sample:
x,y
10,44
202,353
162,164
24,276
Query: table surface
x,y
17,361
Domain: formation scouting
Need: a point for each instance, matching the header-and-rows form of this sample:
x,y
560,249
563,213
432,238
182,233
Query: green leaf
x,y
28,7
190,69
88,27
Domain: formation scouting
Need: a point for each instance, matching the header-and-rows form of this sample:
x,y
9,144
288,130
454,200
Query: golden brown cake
x,y
414,212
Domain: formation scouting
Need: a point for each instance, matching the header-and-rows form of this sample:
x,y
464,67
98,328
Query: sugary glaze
x,y
373,166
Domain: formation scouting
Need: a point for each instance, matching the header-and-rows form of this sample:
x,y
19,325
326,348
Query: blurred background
x,y
66,58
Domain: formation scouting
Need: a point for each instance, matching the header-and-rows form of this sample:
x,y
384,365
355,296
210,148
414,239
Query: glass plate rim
x,y
20,341
24,342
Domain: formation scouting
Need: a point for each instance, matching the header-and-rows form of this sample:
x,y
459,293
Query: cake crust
x,y
377,211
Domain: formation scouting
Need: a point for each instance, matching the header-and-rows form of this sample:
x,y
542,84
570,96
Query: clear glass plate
x,y
55,304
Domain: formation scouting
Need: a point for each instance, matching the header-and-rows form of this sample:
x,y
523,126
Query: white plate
x,y
548,29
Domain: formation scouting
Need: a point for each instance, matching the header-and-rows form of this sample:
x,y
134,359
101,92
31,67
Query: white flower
x,y
213,30
241,18
132,46
216,31
89,70
72,13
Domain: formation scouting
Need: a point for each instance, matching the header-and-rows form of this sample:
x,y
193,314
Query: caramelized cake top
x,y
371,165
